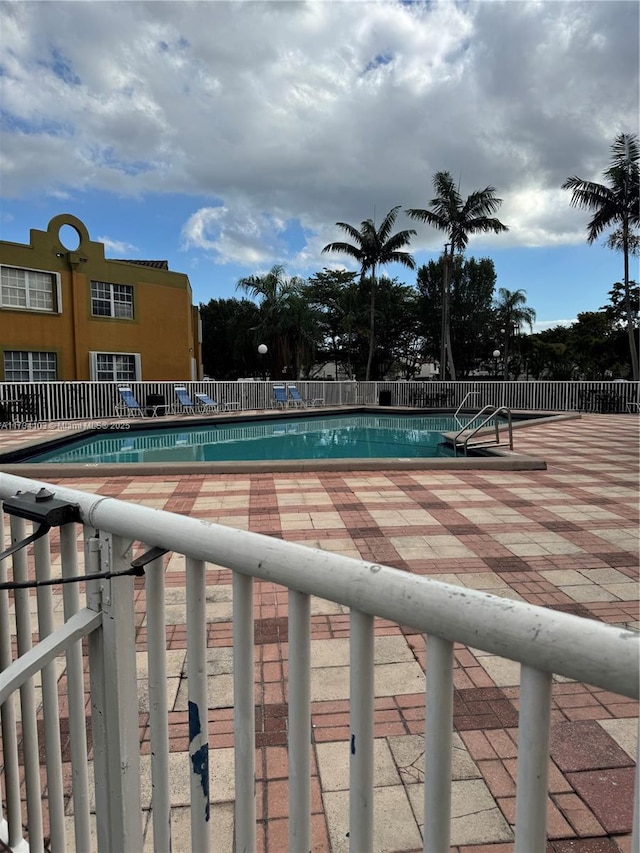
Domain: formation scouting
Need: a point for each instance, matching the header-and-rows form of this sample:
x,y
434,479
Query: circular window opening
x,y
69,237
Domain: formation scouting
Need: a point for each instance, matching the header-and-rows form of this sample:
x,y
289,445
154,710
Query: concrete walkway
x,y
565,538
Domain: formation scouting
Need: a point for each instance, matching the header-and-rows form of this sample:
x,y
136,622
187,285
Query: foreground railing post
x,y
244,713
533,760
299,721
50,702
158,707
75,695
27,692
361,692
437,753
8,717
198,703
114,699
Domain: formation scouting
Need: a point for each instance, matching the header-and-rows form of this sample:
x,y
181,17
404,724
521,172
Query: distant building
x,y
74,315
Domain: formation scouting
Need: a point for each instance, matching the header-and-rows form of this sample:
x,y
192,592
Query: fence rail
x,y
541,640
93,401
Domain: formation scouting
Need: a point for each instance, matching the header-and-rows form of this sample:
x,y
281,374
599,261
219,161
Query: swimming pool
x,y
356,436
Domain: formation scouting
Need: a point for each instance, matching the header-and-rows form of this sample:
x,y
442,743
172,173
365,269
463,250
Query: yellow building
x,y
70,314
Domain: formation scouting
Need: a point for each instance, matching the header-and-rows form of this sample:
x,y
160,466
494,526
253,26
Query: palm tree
x,y
615,203
512,313
459,219
373,247
289,331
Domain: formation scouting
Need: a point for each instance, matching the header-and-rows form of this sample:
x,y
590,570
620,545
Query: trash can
x,y
155,403
384,398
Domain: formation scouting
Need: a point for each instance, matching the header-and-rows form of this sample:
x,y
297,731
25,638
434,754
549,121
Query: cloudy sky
x,y
229,136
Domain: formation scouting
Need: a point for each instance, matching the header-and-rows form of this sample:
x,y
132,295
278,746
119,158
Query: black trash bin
x,y
384,398
155,405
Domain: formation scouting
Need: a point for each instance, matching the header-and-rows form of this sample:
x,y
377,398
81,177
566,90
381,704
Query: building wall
x,y
163,331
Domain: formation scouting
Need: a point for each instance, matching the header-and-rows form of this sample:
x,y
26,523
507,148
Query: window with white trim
x,y
114,366
20,366
111,300
33,290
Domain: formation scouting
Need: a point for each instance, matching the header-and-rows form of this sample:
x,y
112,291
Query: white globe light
x,y
496,353
262,349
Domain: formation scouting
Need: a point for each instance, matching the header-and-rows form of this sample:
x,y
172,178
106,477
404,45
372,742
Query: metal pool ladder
x,y
461,441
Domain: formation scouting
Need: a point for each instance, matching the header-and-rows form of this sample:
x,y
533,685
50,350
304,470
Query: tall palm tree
x,y
373,247
286,330
615,203
512,313
459,219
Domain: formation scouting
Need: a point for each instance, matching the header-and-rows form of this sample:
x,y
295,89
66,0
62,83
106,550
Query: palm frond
x,y
387,224
428,216
345,249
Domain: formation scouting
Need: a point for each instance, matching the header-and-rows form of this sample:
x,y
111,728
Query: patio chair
x,y
184,399
280,396
295,397
129,406
205,403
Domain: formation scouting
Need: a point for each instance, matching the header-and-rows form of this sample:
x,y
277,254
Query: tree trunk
x,y
372,323
443,324
449,270
627,303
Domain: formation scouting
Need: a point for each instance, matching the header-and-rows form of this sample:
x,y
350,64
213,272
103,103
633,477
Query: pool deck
x,y
565,538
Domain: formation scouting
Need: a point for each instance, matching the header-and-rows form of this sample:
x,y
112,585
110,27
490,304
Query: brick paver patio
x,y
565,538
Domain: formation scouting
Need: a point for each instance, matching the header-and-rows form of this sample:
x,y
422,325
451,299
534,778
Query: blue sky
x,y
226,137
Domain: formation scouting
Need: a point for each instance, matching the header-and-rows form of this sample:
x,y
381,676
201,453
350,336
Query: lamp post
x,y
263,349
496,356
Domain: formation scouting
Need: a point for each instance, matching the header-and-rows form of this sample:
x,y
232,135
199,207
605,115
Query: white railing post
x,y
361,692
158,706
75,694
533,760
438,745
114,699
50,703
27,692
8,717
299,721
244,712
198,704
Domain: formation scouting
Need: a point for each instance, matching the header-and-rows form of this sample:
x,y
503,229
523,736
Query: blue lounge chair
x,y
205,403
184,399
295,398
128,405
294,394
280,395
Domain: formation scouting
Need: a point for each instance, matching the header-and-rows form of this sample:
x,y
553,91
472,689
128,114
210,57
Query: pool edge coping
x,y
491,458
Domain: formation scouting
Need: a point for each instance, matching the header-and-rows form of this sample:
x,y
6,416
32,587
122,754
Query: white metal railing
x,y
31,402
542,641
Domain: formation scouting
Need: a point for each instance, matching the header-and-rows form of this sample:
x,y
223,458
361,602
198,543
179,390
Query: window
x,y
114,366
30,289
29,366
111,300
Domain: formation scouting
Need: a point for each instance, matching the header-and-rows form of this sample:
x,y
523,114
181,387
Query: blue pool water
x,y
364,436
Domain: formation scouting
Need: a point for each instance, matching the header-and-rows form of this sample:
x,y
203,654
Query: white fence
x,y
93,401
542,641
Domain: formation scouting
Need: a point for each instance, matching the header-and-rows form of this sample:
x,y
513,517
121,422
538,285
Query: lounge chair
x,y
295,397
184,399
280,395
129,406
205,403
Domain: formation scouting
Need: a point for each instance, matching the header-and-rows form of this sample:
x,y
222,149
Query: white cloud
x,y
235,236
311,113
118,247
